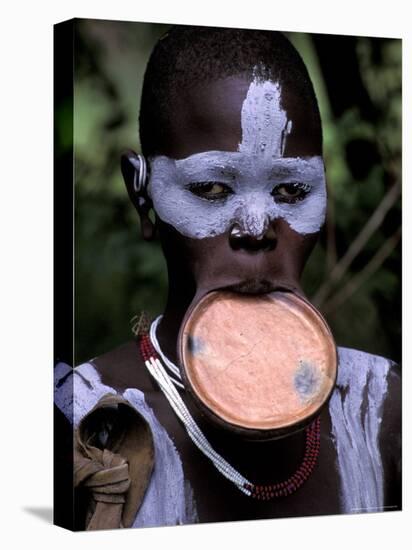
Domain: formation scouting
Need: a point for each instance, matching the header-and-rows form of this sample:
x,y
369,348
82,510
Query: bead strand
x,y
284,488
157,371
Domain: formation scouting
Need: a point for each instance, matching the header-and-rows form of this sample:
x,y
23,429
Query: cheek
x,y
307,216
190,215
294,247
187,251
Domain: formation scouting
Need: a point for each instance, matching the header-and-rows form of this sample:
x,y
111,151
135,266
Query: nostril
x,y
242,240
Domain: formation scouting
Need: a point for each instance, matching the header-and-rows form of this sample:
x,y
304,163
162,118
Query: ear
x,y
131,171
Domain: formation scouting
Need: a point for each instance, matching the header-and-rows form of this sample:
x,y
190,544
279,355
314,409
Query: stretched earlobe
x,y
147,226
135,175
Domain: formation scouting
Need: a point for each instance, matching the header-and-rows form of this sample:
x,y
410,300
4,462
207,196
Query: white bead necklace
x,y
174,369
167,384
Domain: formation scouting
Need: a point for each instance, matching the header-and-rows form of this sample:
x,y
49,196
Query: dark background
x,y
354,274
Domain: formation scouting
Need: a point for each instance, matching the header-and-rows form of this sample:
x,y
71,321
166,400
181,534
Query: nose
x,y
242,239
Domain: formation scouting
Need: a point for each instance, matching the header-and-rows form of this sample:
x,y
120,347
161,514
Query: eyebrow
x,y
229,165
279,171
290,172
210,170
304,169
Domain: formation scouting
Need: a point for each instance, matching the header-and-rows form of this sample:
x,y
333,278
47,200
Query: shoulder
x,y
123,368
119,371
368,379
115,370
77,390
368,397
355,365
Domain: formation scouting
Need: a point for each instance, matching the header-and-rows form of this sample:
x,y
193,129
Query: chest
x,y
218,499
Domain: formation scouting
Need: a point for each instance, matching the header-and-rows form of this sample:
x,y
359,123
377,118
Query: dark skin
x,y
208,118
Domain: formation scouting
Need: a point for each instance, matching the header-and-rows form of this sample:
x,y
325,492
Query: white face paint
x,y
207,193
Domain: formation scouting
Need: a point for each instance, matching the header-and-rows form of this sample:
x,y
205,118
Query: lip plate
x,y
213,410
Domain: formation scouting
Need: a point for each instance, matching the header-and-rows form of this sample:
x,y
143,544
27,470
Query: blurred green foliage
x,y
117,274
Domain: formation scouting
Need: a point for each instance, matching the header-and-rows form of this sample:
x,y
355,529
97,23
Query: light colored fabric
x,y
106,476
356,413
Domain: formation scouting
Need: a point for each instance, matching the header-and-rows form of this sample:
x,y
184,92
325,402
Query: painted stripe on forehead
x,y
264,123
252,173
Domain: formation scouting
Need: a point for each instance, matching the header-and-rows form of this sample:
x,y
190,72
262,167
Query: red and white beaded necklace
x,y
151,354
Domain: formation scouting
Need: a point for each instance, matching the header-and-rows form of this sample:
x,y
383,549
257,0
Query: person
x,y
220,110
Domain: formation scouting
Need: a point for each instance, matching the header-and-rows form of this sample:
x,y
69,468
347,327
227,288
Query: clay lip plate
x,y
258,362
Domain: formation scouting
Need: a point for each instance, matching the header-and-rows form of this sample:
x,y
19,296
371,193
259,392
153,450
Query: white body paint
x,y
168,499
264,123
252,173
356,413
355,409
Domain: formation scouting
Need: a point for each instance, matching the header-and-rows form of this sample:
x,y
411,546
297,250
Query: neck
x,y
180,296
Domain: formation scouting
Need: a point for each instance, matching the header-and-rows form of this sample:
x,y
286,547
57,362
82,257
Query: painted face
x,y
206,194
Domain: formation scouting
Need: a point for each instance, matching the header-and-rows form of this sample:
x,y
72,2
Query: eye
x,y
210,190
290,192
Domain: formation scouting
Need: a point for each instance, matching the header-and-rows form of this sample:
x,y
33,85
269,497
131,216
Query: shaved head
x,y
188,58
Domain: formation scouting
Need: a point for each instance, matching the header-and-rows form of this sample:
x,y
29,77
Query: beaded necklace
x,y
151,354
